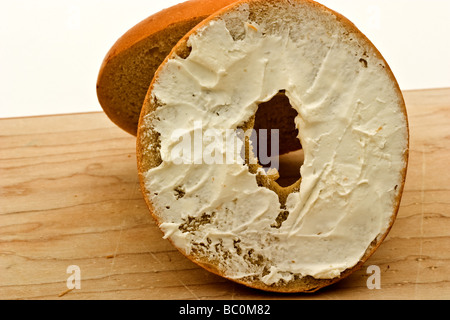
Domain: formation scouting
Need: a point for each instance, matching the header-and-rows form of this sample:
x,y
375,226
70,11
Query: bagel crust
x,y
231,217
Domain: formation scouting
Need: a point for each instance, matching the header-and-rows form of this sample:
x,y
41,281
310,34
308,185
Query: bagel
x,y
232,217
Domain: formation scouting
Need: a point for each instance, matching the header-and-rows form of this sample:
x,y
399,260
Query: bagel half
x,y
231,217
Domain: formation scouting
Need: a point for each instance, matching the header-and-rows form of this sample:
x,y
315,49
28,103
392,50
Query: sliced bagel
x,y
230,216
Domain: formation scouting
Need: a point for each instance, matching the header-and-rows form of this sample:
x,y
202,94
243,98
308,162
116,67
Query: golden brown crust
x,y
305,284
116,98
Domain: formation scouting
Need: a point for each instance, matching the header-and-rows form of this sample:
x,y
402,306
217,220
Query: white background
x,y
51,50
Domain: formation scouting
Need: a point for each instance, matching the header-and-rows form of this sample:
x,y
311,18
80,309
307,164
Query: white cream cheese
x,y
352,129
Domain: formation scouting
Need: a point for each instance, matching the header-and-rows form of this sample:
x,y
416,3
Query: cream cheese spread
x,y
351,126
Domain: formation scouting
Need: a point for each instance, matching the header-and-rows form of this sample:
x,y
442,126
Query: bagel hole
x,y
289,170
278,114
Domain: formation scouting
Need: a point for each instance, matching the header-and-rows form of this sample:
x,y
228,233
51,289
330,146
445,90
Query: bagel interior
x,y
232,217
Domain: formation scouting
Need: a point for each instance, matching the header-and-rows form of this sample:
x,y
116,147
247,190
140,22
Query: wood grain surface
x,y
69,195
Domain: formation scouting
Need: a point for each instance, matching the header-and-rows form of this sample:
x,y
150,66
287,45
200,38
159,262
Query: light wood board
x,y
69,195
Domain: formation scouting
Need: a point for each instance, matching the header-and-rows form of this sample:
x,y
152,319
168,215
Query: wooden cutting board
x,y
69,196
